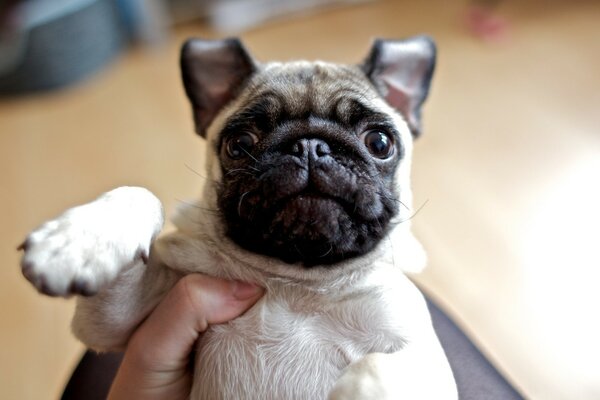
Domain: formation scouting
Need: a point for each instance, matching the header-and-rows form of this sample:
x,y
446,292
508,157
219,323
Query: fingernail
x,y
245,291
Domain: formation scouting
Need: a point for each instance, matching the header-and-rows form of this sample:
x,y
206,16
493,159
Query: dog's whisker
x,y
249,155
239,207
395,200
298,250
405,206
328,251
196,206
197,173
415,213
240,171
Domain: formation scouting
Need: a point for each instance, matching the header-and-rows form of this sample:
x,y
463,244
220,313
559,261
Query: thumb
x,y
157,356
193,304
221,300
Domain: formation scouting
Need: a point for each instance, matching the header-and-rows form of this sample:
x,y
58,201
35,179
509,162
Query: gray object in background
x,y
235,16
239,15
58,42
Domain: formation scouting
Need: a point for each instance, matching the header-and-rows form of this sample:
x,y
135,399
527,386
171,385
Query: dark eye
x,y
240,145
379,144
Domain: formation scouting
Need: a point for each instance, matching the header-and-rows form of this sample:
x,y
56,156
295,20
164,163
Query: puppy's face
x,y
308,153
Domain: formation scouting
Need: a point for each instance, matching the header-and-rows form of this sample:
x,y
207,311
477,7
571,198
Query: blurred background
x,y
508,168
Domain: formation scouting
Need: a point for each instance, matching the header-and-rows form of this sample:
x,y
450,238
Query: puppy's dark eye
x,y
238,146
379,144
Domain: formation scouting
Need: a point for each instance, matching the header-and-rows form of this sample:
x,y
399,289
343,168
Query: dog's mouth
x,y
309,203
308,227
305,214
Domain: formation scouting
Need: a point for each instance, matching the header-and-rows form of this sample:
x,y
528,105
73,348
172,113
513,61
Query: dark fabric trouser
x,y
475,377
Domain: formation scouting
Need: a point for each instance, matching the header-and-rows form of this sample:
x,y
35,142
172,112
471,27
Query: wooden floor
x,y
509,166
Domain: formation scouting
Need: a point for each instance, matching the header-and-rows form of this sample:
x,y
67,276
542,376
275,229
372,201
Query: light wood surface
x,y
509,165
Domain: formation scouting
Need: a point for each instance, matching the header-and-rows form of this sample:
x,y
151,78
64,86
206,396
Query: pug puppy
x,y
307,195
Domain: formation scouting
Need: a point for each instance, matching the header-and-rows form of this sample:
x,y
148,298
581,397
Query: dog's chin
x,y
308,230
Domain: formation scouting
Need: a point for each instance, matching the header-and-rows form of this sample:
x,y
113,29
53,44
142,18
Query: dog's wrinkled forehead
x,y
317,87
301,90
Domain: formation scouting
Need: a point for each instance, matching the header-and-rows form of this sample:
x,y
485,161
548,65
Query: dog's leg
x,y
105,321
100,250
418,371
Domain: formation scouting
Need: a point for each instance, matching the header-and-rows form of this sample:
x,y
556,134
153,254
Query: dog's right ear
x,y
213,71
401,71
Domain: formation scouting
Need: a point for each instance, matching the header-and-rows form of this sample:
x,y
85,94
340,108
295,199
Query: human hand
x,y
156,361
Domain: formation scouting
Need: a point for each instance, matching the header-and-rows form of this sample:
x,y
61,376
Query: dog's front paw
x,y
84,249
398,376
368,378
66,256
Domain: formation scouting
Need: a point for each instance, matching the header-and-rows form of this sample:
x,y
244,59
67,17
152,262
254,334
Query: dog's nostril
x,y
311,148
322,148
297,149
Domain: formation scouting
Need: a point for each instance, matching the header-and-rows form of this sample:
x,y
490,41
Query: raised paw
x,y
407,374
84,249
366,379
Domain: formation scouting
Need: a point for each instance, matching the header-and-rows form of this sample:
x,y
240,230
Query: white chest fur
x,y
294,343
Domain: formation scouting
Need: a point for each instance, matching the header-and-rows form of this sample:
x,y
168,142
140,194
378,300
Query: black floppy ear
x,y
213,71
401,71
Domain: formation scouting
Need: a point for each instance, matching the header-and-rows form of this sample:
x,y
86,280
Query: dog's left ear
x,y
213,72
401,71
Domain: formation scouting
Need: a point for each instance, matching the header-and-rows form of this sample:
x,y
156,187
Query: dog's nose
x,y
312,148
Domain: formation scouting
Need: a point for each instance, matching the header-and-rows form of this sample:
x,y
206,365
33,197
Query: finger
x,y
156,360
195,302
